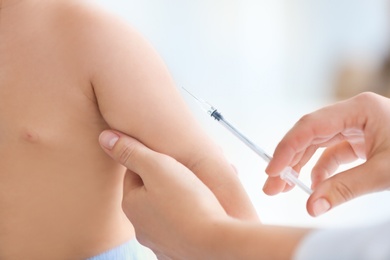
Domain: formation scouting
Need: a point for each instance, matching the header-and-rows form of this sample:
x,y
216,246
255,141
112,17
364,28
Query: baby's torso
x,y
60,194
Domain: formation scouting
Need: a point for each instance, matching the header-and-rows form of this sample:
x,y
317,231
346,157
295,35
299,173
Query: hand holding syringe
x,y
288,174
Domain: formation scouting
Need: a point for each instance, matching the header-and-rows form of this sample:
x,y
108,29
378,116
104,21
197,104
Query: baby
x,y
69,70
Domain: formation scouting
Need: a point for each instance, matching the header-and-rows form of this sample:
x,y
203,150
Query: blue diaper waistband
x,y
126,251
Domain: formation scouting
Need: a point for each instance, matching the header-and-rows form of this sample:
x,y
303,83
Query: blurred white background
x,y
264,64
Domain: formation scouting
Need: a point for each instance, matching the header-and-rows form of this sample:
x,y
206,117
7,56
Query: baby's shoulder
x,y
79,15
87,24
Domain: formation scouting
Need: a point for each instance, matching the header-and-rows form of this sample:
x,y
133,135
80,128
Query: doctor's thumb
x,y
123,149
343,187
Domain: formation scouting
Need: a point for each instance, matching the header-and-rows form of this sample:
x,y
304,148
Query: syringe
x,y
288,174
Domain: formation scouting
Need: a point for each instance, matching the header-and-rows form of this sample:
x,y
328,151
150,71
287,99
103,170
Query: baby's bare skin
x,y
60,195
67,72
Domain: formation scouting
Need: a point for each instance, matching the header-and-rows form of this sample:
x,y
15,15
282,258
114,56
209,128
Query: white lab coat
x,y
366,243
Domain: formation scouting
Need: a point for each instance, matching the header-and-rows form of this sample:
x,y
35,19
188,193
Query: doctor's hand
x,y
170,208
356,128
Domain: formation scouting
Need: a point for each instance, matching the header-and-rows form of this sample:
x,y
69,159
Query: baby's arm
x,y
137,96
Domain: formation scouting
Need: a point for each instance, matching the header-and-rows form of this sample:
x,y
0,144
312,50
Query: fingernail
x,y
108,139
320,206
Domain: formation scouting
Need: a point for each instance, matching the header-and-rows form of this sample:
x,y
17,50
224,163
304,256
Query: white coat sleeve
x,y
368,243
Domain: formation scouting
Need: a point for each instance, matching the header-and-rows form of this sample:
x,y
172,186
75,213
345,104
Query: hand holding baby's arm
x,y
177,216
166,202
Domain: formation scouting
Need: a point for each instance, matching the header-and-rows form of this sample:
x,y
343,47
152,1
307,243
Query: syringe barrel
x,y
288,174
291,177
217,116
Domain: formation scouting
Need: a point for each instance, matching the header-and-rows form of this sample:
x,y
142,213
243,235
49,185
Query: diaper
x,y
130,250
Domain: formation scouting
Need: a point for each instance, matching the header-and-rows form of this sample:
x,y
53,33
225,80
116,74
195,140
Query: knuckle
x,y
370,99
304,119
126,151
367,96
343,191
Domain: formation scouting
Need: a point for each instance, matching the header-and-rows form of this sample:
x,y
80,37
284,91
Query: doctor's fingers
x,y
274,185
371,176
330,160
299,157
328,163
322,128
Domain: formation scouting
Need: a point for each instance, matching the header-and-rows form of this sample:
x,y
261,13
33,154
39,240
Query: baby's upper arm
x,y
136,94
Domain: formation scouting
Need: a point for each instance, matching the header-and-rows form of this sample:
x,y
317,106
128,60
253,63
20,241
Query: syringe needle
x,y
203,104
196,98
288,174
